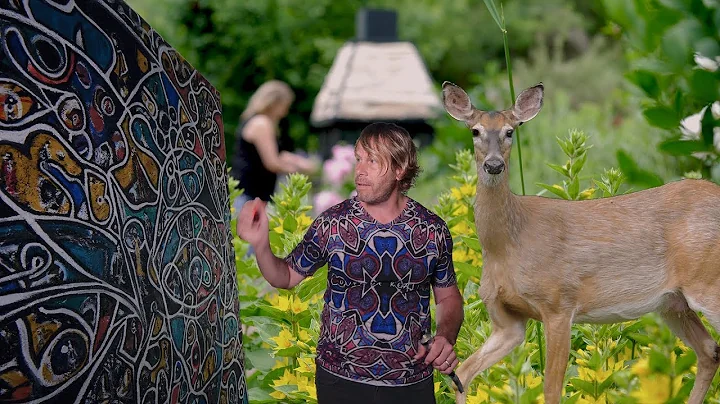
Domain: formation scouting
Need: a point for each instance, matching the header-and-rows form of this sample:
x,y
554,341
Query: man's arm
x,y
449,317
252,226
448,312
275,270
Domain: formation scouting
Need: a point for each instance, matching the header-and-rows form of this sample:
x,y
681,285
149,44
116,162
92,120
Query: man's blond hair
x,y
391,145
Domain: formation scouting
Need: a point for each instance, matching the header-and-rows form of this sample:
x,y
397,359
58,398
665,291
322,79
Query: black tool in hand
x,y
426,341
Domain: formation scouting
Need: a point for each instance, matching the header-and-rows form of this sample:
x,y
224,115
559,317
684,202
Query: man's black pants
x,y
332,389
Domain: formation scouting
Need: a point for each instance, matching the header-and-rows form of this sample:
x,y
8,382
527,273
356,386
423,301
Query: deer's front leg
x,y
508,332
557,345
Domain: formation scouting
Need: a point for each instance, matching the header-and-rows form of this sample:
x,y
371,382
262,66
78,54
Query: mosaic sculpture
x,y
117,280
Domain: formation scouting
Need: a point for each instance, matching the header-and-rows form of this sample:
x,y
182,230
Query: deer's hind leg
x,y
686,324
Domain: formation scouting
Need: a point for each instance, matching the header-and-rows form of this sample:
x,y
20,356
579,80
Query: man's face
x,y
375,182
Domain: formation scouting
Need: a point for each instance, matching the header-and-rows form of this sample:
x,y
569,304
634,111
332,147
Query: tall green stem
x,y
508,62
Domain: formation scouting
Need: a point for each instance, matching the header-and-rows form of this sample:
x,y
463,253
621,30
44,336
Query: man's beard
x,y
381,197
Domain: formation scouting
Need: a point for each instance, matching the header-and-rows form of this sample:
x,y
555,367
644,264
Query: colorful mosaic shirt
x,y
377,301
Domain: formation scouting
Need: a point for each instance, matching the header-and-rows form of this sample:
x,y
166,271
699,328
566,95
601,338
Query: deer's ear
x,y
528,103
456,101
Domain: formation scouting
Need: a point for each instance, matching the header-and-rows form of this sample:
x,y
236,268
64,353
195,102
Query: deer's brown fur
x,y
597,261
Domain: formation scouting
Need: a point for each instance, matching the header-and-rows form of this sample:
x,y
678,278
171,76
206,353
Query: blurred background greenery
x,y
625,72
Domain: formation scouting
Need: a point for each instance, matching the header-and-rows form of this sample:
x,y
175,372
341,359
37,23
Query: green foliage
x,y
673,48
574,146
238,45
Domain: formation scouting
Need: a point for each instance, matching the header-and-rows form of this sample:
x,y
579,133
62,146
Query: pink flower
x,y
326,199
336,171
344,153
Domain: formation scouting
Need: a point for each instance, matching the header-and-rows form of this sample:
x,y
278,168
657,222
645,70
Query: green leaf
x,y
574,188
555,189
647,81
662,117
290,224
289,352
260,359
675,147
707,46
678,5
606,383
583,385
658,362
472,243
559,168
685,362
603,187
490,4
677,43
467,268
704,85
578,164
634,174
258,395
708,128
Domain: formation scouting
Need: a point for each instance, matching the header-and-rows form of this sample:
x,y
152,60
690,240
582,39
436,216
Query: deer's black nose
x,y
494,166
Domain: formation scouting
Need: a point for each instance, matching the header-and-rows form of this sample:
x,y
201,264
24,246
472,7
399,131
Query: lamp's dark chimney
x,y
376,25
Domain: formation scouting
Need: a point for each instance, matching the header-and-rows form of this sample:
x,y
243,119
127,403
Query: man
x,y
385,252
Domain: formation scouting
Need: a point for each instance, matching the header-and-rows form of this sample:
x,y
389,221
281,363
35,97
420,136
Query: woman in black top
x,y
257,159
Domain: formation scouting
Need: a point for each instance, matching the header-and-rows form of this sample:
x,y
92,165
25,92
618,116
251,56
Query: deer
x,y
606,260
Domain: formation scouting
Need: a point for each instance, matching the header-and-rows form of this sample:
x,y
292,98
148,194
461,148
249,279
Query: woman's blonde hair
x,y
266,96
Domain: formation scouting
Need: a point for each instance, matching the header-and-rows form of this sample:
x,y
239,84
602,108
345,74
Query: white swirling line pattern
x,y
117,276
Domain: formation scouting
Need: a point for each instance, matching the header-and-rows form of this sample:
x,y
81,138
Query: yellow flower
x,y
456,193
283,303
306,365
461,228
281,363
288,378
304,221
655,388
278,395
304,336
284,340
298,306
641,367
480,397
306,385
599,375
467,190
531,380
591,400
461,210
459,255
272,298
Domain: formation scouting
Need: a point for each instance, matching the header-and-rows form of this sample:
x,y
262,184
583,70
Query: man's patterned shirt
x,y
377,301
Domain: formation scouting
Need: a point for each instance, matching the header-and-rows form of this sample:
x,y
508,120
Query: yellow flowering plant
x,y
636,362
281,327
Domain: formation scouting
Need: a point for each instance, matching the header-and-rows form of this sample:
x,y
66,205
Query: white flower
x,y
715,109
692,126
705,62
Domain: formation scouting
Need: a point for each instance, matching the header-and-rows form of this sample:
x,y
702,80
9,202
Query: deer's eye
x,y
509,133
475,133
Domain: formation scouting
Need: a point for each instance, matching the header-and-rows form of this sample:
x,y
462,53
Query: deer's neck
x,y
498,217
